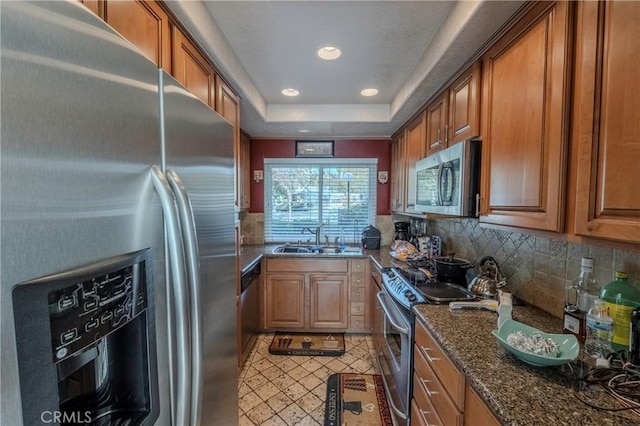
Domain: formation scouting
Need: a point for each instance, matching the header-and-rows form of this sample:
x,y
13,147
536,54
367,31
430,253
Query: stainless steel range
x,y
393,331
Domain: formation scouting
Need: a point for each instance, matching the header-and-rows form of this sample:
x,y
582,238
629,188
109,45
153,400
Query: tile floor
x,y
290,390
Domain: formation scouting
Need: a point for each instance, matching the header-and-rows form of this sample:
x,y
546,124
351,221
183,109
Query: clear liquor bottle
x,y
579,297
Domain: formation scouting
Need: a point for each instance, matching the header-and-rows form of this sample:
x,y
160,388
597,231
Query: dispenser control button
x,y
68,336
91,324
90,305
106,317
67,302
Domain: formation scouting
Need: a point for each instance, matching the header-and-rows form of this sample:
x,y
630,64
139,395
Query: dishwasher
x,y
249,308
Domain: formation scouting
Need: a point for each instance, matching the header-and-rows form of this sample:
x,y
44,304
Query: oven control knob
x,y
408,293
390,273
412,298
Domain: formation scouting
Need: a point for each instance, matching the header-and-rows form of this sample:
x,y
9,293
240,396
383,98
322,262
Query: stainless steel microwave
x,y
448,182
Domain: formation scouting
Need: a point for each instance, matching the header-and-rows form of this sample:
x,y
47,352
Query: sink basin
x,y
287,248
312,249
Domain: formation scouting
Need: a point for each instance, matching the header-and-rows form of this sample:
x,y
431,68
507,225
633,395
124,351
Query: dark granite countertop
x,y
517,393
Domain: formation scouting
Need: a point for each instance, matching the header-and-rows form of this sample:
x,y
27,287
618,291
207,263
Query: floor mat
x,y
356,399
309,344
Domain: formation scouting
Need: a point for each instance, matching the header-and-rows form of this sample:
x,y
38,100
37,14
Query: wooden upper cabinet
x,y
607,120
96,6
145,24
227,103
436,123
398,173
192,69
455,114
244,171
414,151
524,121
464,106
228,106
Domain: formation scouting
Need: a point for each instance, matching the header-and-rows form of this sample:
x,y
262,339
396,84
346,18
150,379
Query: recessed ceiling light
x,y
329,53
290,92
369,92
303,131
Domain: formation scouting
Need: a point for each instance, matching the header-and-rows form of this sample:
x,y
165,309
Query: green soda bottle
x,y
621,299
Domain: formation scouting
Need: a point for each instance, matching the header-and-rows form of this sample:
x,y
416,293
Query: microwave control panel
x,y
88,310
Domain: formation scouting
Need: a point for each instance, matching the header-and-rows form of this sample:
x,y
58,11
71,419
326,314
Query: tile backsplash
x,y
537,268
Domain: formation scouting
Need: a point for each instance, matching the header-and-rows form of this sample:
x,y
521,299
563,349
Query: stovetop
x,y
410,286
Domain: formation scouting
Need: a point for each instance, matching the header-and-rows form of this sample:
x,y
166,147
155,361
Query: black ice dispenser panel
x,y
86,348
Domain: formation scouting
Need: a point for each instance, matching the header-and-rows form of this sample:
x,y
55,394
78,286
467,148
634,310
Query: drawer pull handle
x,y
429,392
424,413
426,354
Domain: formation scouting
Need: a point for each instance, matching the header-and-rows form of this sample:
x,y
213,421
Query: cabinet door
x,y
228,106
192,69
607,120
146,25
524,125
436,123
464,106
329,301
476,411
415,151
398,172
284,301
244,171
96,6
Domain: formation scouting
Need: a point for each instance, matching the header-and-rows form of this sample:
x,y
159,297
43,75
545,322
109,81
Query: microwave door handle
x,y
439,183
445,192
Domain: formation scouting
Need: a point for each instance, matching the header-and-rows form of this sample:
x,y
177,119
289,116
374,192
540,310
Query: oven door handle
x,y
392,319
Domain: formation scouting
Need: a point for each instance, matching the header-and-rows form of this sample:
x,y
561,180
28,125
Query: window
x,y
340,194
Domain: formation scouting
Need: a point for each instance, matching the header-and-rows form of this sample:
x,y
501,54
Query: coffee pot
x,y
402,231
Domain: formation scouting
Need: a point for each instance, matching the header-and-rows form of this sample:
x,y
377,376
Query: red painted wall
x,y
342,148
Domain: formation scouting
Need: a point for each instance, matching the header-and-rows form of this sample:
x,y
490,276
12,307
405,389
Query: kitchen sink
x,y
307,249
288,248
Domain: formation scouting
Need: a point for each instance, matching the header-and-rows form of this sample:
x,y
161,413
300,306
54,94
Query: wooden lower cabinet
x,y
316,294
284,300
328,299
475,410
441,393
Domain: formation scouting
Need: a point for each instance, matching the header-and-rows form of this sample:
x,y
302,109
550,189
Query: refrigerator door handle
x,y
181,298
192,260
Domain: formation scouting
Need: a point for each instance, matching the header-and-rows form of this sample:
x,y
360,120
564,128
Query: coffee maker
x,y
401,231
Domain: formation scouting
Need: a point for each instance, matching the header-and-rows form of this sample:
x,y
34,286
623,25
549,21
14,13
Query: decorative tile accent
x,y
290,390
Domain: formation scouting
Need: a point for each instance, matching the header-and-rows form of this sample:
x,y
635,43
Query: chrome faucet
x,y
317,232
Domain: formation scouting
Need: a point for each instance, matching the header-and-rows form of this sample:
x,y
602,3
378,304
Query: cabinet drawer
x,y
358,294
356,322
434,390
357,280
358,265
357,308
452,380
422,411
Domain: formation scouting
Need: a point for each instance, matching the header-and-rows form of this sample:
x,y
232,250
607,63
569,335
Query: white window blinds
x,y
339,194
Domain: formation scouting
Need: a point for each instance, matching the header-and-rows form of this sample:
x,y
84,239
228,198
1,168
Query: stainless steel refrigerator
x,y
107,164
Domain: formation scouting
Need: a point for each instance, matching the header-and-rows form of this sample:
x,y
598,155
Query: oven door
x,y
394,357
